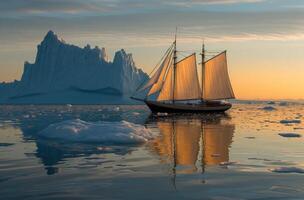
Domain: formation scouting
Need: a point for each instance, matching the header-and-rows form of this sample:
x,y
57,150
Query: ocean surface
x,y
254,151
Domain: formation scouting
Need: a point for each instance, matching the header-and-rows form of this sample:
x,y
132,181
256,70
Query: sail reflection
x,y
190,144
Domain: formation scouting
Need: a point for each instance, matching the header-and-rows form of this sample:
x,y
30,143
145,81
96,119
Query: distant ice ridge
x,y
98,132
60,67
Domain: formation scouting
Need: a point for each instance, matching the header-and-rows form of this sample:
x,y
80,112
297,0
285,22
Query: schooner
x,y
175,87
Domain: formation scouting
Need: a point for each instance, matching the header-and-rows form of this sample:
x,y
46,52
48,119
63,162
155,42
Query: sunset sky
x,y
264,38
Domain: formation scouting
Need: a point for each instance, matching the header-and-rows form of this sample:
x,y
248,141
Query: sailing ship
x,y
175,87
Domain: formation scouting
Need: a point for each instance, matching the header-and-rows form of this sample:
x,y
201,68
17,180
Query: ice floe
x,y
293,121
288,170
6,144
98,132
250,137
162,114
290,135
268,108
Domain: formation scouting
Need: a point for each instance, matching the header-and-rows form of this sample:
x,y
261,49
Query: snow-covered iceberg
x,y
98,132
64,68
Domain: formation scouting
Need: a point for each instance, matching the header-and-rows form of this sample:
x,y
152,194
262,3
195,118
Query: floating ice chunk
x,y
162,114
268,108
250,137
6,144
290,135
69,105
288,170
284,189
262,159
293,121
98,132
136,113
26,116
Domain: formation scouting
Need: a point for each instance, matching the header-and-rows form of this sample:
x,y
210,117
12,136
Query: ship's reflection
x,y
189,143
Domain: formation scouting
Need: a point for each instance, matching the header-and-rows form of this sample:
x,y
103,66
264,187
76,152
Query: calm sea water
x,y
237,155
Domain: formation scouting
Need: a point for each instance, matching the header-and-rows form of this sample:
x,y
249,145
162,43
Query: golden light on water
x,y
194,143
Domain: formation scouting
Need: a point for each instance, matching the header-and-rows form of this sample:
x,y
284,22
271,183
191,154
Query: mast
x,y
203,69
174,65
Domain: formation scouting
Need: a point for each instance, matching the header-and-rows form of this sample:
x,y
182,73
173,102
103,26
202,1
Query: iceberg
x,y
63,72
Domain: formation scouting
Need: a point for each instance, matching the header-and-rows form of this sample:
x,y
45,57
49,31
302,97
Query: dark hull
x,y
205,107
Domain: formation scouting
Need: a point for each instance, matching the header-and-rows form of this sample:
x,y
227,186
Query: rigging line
x,y
157,65
183,55
187,51
213,51
186,58
215,56
166,73
211,56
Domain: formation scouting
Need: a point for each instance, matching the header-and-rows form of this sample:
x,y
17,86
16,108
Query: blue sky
x,y
268,33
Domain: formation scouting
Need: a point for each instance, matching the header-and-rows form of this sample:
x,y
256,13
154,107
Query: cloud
x,y
102,7
148,28
57,6
190,3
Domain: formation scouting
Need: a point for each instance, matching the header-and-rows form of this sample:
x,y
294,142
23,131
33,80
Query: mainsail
x,y
216,83
181,83
186,79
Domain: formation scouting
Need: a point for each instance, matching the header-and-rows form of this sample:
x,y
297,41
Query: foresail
x,y
166,92
186,80
216,80
157,75
152,80
157,86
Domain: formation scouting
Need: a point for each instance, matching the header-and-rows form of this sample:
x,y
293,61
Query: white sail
x,y
216,79
186,80
166,92
157,86
158,75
